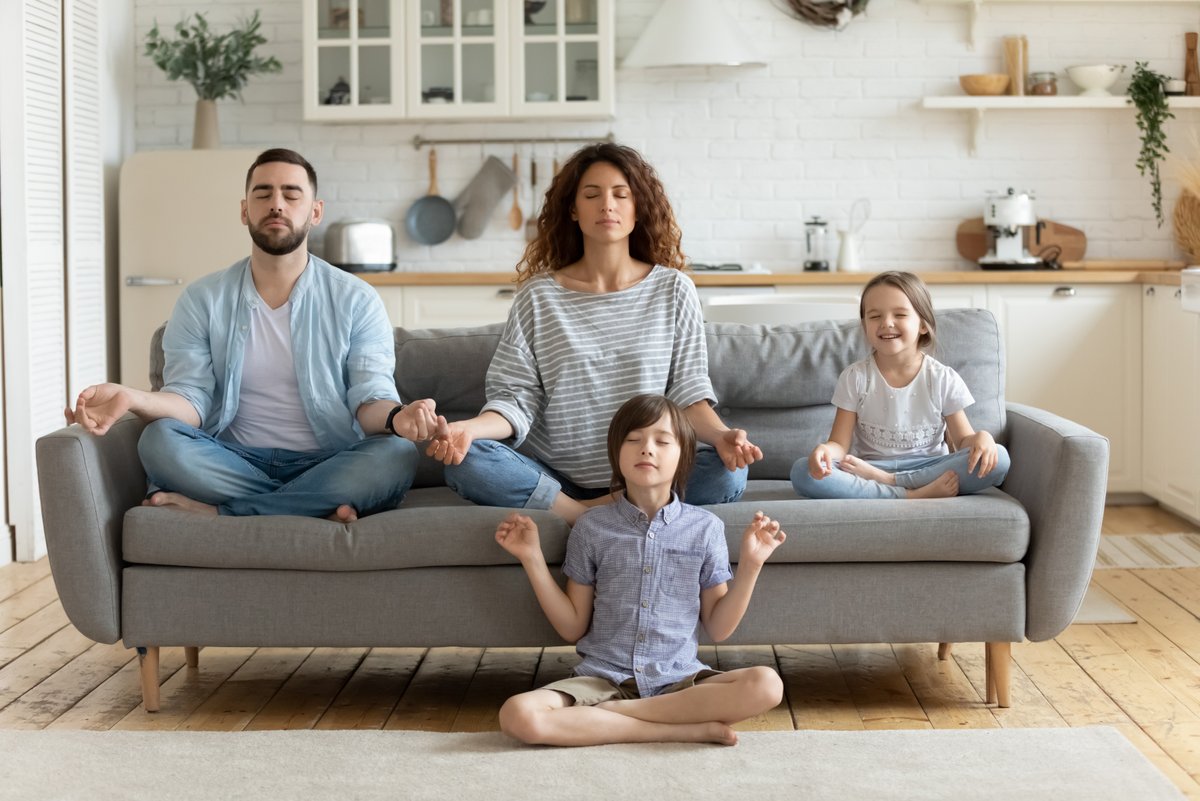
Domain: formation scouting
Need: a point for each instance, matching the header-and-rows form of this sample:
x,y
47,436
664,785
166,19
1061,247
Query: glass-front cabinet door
x,y
354,59
457,60
563,64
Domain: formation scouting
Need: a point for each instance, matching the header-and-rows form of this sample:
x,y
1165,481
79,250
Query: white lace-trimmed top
x,y
900,421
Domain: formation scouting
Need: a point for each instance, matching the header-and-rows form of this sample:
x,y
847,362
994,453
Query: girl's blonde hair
x,y
641,411
918,295
655,239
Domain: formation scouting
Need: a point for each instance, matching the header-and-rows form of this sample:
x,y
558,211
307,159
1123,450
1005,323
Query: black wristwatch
x,y
391,416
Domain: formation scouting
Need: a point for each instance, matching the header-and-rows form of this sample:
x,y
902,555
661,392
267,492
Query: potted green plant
x,y
1147,91
216,65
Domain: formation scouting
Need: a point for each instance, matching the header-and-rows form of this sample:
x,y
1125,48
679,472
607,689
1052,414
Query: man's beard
x,y
284,244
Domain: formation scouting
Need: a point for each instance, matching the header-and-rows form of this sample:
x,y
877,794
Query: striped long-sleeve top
x,y
569,359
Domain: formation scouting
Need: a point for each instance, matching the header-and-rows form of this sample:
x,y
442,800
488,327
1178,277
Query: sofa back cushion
x,y
774,381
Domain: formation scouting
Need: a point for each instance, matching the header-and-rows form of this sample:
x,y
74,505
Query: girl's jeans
x,y
371,475
910,472
493,474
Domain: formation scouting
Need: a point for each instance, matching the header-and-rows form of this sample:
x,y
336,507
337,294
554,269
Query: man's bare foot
x,y
173,500
857,467
944,486
344,514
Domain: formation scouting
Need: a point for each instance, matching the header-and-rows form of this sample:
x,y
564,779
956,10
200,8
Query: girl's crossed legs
x,y
866,479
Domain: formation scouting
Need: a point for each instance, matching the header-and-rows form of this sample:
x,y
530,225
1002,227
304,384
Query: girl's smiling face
x,y
890,323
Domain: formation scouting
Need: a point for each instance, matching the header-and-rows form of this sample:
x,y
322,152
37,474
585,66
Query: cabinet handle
x,y
141,280
1150,292
505,293
1065,291
1179,293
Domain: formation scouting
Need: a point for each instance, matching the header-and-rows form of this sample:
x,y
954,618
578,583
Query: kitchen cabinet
x,y
445,306
454,306
1075,350
1170,398
457,59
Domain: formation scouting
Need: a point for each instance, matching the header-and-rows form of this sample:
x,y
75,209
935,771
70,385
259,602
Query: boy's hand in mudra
x,y
759,540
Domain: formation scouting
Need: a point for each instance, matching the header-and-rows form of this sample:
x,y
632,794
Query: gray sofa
x,y
995,568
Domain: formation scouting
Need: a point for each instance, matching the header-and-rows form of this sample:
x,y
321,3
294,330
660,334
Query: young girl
x,y
641,571
604,312
900,406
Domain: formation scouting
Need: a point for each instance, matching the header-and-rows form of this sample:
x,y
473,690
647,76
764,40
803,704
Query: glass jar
x,y
1043,83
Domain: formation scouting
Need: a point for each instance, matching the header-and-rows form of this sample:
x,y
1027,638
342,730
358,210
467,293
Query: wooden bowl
x,y
986,84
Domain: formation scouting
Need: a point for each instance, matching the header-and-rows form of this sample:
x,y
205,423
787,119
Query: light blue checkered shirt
x,y
647,575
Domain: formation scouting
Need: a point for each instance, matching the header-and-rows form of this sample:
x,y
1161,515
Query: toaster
x,y
361,246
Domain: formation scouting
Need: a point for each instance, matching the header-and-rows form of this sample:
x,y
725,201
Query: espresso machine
x,y
1006,216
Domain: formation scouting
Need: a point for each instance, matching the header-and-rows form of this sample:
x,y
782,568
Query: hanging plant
x,y
827,13
1147,93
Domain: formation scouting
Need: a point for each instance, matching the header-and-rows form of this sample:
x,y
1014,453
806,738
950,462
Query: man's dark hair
x,y
286,156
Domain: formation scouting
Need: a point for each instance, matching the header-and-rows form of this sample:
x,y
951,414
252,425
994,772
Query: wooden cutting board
x,y
973,238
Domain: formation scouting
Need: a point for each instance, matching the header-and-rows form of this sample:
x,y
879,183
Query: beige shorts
x,y
592,690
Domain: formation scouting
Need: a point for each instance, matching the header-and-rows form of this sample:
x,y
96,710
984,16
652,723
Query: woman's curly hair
x,y
655,238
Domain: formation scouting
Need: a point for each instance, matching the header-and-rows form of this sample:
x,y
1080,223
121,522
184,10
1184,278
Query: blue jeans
x,y
371,475
911,473
494,474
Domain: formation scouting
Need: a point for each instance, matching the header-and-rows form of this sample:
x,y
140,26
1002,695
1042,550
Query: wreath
x,y
834,14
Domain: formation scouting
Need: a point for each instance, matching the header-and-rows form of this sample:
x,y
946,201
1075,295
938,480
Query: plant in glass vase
x,y
216,65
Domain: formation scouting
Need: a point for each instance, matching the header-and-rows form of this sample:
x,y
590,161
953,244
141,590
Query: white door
x,y
1075,350
180,219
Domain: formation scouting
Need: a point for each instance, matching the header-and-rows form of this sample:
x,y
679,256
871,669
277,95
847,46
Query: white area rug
x,y
1148,550
1100,607
1087,764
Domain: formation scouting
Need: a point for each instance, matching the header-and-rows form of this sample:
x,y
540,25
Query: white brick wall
x,y
746,154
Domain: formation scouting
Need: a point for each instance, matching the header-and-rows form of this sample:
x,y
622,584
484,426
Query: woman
x,y
604,313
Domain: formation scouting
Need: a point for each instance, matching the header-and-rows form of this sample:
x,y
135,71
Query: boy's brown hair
x,y
918,295
641,411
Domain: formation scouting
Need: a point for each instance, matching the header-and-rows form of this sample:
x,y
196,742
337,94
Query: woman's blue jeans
x,y
371,475
493,474
911,473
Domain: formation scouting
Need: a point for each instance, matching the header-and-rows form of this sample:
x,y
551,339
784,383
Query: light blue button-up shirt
x,y
342,344
648,575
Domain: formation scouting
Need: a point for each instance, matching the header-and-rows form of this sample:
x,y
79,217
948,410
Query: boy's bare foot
x,y
344,514
173,500
944,486
857,467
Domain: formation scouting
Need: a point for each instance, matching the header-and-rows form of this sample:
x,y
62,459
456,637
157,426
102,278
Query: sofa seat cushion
x,y
988,527
434,528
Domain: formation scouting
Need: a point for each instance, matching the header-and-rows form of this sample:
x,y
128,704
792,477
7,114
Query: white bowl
x,y
1095,79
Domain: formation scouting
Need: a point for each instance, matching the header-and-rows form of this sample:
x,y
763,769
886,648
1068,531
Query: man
x,y
278,395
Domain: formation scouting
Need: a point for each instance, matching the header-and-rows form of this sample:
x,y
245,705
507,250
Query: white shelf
x,y
973,5
981,104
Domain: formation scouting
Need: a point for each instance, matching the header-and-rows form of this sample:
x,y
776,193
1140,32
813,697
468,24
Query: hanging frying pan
x,y
431,219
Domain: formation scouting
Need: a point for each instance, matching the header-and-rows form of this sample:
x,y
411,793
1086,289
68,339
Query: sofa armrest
x,y
87,484
1059,473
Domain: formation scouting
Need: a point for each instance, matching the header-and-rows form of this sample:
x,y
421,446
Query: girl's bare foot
x,y
344,514
944,486
173,500
857,467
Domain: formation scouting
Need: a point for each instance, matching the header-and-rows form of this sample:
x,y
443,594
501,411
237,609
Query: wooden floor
x,y
1143,678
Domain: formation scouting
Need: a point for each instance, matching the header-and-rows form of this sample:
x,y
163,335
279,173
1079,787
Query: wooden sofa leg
x,y
148,663
192,654
999,671
944,651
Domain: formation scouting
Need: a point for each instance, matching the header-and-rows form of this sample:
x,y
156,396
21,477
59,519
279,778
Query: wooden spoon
x,y
515,217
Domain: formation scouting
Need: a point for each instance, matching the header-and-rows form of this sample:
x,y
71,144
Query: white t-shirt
x,y
900,421
269,413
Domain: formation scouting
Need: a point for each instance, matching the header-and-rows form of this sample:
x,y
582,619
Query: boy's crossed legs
x,y
699,712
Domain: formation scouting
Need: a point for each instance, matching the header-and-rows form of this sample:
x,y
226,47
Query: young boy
x,y
640,572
